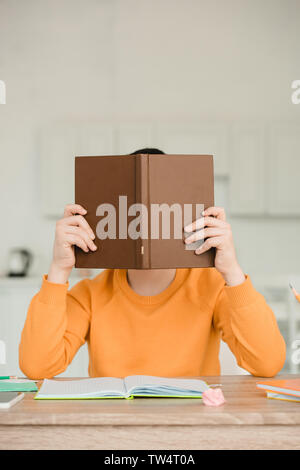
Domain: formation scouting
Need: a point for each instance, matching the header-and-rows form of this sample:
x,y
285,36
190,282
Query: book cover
x,y
281,386
138,205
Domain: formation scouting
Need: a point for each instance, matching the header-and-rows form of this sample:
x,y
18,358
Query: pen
x,y
295,292
7,377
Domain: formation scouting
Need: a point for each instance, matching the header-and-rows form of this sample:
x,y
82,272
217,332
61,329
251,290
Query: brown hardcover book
x,y
111,187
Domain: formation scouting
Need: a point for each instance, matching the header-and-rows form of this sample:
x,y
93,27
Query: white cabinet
x,y
265,170
206,139
247,171
59,145
284,170
14,301
15,296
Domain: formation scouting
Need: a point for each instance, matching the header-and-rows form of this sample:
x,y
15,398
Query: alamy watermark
x,y
295,97
296,353
2,352
165,221
2,92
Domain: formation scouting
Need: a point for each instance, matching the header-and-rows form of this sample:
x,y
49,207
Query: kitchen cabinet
x,y
247,171
284,170
58,147
206,139
265,170
15,296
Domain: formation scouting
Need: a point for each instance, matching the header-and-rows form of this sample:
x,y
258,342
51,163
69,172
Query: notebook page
x,y
82,388
145,381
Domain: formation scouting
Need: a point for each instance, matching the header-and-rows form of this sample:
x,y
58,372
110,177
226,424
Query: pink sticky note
x,y
213,397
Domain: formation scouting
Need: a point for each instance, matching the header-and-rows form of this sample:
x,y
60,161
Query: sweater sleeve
x,y
249,327
56,327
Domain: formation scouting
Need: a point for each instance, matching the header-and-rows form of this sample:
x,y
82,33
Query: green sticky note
x,y
17,387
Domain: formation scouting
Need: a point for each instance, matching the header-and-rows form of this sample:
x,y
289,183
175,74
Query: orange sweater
x,y
174,333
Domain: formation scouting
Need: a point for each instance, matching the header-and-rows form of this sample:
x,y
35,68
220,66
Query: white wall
x,y
158,61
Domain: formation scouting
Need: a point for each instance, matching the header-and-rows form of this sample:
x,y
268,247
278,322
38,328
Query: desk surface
x,y
245,405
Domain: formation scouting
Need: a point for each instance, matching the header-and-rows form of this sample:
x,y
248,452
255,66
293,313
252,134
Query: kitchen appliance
x,y
19,262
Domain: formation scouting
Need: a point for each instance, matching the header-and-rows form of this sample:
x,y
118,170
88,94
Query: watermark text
x,y
2,92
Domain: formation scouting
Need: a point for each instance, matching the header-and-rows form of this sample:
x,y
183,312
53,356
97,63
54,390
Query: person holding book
x,y
159,322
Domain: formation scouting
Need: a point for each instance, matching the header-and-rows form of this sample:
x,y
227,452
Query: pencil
x,y
295,292
7,377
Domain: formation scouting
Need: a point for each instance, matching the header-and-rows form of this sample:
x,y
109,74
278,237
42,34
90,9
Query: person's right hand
x,y
71,230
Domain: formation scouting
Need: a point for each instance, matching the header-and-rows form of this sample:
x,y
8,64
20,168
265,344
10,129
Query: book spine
x,y
142,197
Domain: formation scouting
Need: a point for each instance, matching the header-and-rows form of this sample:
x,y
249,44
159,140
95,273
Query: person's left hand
x,y
217,233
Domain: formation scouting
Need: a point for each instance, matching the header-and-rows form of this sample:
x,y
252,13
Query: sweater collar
x,y
121,276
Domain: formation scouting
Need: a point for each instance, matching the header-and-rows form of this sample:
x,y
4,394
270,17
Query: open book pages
x,y
145,385
110,387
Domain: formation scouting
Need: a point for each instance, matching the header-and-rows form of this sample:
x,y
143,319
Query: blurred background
x,y
96,77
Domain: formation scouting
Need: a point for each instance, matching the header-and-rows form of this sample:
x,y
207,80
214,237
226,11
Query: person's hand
x,y
217,233
71,230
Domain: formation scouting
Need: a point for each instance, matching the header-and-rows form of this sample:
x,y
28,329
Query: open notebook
x,y
110,387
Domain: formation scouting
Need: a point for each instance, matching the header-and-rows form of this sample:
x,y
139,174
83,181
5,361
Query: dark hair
x,y
150,150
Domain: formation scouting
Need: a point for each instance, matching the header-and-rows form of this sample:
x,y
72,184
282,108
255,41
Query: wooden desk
x,y
247,421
